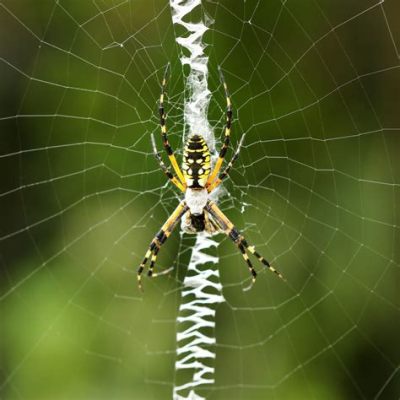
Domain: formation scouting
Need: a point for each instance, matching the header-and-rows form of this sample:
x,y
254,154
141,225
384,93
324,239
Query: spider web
x,y
315,90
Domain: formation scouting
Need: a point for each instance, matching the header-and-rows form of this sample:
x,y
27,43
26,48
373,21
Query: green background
x,y
315,88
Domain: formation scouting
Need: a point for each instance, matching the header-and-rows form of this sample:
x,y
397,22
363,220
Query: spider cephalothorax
x,y
197,211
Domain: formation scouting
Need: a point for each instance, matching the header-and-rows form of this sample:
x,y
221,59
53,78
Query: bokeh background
x,y
315,87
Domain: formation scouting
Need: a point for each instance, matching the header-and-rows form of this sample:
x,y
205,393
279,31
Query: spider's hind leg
x,y
151,253
211,225
159,240
260,258
164,134
230,230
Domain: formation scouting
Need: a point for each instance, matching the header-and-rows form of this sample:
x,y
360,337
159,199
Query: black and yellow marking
x,y
164,168
159,240
196,162
225,173
164,135
153,261
262,259
230,230
246,258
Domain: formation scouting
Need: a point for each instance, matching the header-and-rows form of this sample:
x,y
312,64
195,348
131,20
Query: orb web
x,y
315,90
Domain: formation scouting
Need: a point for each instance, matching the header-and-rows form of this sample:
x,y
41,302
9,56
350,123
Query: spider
x,y
196,181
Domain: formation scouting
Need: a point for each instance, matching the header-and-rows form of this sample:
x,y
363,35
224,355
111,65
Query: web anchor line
x,y
195,355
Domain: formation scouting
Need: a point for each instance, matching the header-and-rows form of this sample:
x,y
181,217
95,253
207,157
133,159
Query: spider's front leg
x,y
230,230
227,132
159,240
213,180
164,134
164,168
217,181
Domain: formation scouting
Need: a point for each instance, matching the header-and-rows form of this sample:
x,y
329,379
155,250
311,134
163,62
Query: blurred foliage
x,y
315,88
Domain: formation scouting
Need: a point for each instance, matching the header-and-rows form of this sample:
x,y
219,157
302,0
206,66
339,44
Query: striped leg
x,y
227,135
230,230
163,117
246,258
224,174
153,261
164,168
159,240
210,225
260,258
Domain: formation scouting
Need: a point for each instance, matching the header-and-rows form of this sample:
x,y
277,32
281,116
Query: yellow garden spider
x,y
197,182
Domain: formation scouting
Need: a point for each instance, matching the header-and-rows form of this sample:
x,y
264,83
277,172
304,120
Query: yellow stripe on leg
x,y
214,185
178,171
217,167
178,184
153,261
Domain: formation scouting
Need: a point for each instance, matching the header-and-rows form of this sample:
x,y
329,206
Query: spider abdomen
x,y
196,162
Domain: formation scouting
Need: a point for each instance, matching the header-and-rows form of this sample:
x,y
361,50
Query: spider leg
x,y
160,239
227,134
247,259
153,261
210,225
164,168
163,117
230,230
213,185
